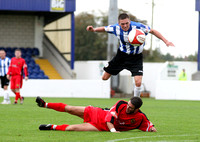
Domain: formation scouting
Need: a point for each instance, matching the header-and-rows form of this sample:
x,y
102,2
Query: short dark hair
x,y
136,101
3,50
18,50
123,16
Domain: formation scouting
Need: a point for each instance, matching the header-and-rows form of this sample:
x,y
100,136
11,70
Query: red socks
x,y
57,106
17,96
59,127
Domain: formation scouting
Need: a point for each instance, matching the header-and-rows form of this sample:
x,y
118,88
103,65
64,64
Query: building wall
x,y
38,38
177,90
152,72
65,88
17,30
21,31
61,39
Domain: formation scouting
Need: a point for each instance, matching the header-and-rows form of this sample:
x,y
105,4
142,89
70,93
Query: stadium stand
x,y
48,69
28,53
24,25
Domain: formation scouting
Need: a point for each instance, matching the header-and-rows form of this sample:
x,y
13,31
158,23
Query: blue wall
x,y
33,5
197,8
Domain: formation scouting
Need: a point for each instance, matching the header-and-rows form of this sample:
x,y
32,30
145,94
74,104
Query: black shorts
x,y
133,63
4,81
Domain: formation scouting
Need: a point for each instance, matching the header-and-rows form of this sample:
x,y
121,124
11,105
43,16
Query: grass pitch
x,y
174,120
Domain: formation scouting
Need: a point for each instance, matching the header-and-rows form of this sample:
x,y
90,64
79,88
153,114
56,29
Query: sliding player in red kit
x,y
123,116
15,74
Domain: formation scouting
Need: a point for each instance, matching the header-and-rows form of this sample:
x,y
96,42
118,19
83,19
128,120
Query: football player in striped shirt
x,y
4,64
128,56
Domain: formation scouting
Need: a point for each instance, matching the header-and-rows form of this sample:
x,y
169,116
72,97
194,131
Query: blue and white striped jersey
x,y
4,65
125,46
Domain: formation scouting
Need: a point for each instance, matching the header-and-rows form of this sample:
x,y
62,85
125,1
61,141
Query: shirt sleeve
x,y
10,68
9,60
25,68
146,29
113,113
110,29
145,124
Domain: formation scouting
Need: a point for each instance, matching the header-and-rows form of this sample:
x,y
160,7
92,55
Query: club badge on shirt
x,y
132,120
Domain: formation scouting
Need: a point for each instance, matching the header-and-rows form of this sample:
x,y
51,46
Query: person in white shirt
x,y
4,64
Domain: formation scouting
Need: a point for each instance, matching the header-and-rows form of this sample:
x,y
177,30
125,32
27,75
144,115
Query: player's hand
x,y
8,77
117,132
153,129
26,78
168,43
90,28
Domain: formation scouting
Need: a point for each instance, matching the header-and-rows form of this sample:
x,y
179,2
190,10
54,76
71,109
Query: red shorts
x,y
16,82
96,117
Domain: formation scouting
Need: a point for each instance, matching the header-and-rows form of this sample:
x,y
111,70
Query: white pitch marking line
x,y
150,137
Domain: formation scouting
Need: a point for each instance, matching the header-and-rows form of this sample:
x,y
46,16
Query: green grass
x,y
174,120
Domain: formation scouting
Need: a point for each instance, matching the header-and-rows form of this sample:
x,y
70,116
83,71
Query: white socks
x,y
54,127
137,91
6,97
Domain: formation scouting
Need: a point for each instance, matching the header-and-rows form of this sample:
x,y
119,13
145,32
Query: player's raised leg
x,y
138,82
74,110
65,127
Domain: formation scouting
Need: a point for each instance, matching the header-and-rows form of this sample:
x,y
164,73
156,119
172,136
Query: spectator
x,y
182,76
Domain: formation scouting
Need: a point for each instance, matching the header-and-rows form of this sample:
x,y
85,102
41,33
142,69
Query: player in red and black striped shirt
x,y
123,116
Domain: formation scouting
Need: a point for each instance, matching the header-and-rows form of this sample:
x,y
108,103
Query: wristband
x,y
113,130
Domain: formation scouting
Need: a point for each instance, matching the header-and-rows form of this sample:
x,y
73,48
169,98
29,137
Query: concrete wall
x,y
177,90
89,69
38,38
21,31
152,73
170,88
176,68
65,88
17,30
94,70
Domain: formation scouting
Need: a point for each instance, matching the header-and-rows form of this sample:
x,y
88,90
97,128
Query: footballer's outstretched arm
x,y
98,29
160,36
111,127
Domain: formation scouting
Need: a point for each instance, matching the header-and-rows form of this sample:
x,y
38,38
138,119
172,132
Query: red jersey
x,y
123,121
118,116
17,66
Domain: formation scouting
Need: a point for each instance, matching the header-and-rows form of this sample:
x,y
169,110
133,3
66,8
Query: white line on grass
x,y
160,136
172,141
